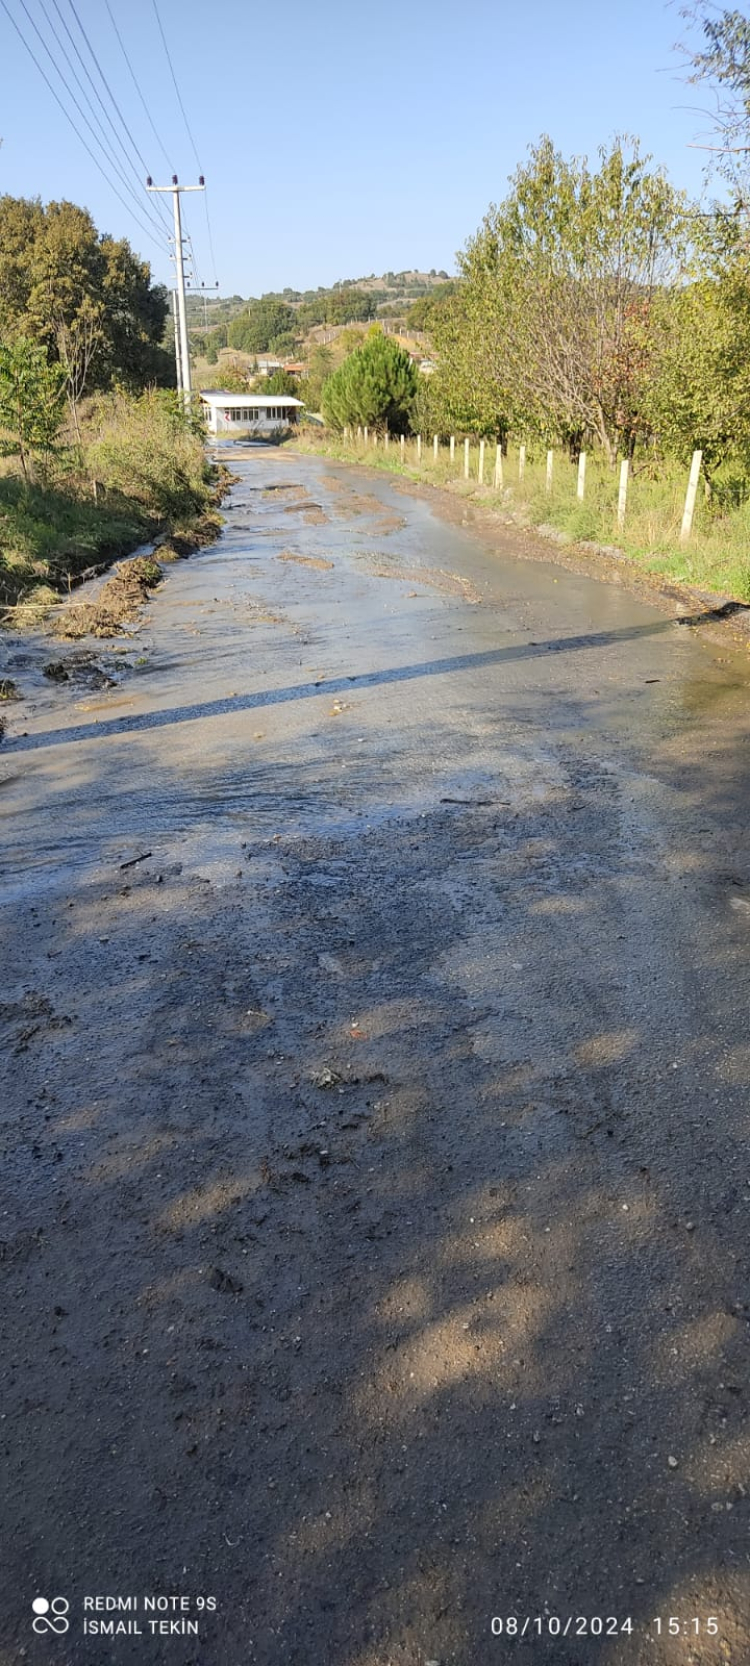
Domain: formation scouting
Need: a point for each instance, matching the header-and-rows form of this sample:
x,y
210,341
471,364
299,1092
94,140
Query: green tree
x,y
723,63
422,313
31,401
376,386
282,381
349,305
86,298
319,368
262,321
548,324
284,344
699,385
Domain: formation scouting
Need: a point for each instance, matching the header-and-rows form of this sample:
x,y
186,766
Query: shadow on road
x,y
377,1232
445,666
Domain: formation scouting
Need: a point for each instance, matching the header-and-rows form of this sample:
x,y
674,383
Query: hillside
x,y
208,312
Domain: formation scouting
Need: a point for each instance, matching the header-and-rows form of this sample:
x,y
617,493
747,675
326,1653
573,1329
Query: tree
x,y
259,324
723,64
349,305
549,327
376,386
283,344
319,368
282,381
86,298
31,401
77,344
699,386
422,313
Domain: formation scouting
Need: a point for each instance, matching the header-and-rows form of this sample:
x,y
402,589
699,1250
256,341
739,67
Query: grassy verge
x,y
140,473
717,557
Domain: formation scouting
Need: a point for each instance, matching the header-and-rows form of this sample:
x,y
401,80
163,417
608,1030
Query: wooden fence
x,y
475,467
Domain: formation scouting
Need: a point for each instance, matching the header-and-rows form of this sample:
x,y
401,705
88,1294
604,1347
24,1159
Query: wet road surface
x,y
374,1090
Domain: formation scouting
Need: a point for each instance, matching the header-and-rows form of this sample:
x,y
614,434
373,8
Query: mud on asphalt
x,y
374,1089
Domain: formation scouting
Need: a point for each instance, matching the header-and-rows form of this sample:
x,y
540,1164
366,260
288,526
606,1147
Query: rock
x,y
224,1283
326,1078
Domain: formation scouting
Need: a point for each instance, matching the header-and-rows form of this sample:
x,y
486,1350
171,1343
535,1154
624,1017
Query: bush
x,y
147,451
148,460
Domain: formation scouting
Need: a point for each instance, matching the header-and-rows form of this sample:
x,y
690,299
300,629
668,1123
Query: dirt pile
x,y
79,667
117,603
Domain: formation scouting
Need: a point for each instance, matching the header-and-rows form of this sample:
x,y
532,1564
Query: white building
x,y
253,413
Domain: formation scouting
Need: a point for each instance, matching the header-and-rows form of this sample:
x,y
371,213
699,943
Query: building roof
x,y
219,396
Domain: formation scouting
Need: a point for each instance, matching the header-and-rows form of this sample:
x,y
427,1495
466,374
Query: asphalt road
x,y
374,1089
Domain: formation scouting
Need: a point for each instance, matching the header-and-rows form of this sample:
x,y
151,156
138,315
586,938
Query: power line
x,y
210,236
103,78
144,225
104,142
176,88
188,130
136,84
134,147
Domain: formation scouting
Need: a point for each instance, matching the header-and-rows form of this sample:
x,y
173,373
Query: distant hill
x,y
292,324
390,287
396,285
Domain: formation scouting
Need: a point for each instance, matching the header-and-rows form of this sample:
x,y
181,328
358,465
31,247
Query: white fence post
x,y
521,461
386,438
466,459
402,443
622,496
687,518
550,461
498,465
453,448
419,448
480,464
359,433
365,436
581,486
435,443
375,438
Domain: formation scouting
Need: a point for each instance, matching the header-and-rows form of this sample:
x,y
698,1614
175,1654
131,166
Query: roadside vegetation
x,y
597,311
97,455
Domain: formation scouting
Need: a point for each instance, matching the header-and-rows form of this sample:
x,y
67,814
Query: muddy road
x,y
374,1084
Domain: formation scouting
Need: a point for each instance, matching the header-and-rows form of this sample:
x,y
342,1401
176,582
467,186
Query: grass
x,y
716,558
141,471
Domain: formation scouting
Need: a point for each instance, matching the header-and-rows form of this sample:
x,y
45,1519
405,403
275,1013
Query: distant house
x,y
253,413
295,367
267,364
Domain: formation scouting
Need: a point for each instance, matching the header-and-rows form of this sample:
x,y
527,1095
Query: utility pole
x,y
176,190
177,351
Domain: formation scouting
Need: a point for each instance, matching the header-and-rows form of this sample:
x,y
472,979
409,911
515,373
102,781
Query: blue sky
x,y
340,140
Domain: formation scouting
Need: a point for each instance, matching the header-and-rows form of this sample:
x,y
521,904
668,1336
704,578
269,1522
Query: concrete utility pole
x,y
177,349
176,190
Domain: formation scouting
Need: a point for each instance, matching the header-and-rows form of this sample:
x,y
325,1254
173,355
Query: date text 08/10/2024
x,y
601,1625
